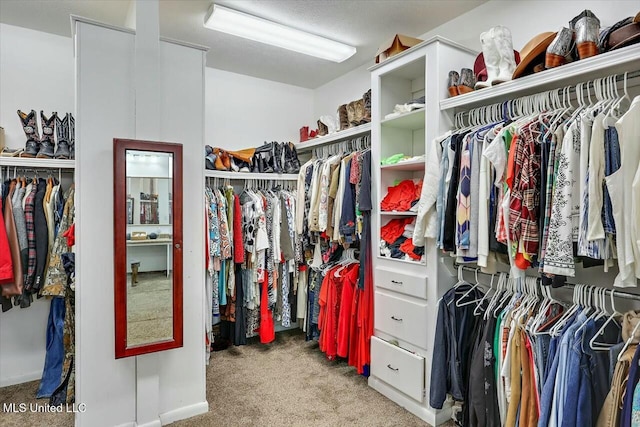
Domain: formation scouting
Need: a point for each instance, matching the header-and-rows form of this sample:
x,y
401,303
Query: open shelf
x,y
250,175
413,120
606,64
342,135
28,162
409,165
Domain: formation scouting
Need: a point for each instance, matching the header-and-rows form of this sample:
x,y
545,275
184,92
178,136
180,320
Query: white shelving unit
x,y
28,162
401,350
409,165
413,120
615,62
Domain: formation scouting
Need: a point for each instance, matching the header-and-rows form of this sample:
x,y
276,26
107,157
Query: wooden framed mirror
x,y
147,216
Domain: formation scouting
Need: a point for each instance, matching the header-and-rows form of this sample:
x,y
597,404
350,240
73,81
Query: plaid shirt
x,y
29,210
525,193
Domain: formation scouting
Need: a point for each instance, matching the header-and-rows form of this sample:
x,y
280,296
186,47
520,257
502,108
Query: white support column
x,y
148,90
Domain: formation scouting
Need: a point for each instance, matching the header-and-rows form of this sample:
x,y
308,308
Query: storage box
x,y
138,235
399,43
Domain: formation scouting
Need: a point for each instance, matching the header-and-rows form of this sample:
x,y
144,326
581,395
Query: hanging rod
x,y
571,90
616,293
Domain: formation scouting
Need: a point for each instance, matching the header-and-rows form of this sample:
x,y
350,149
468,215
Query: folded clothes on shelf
x,y
402,197
393,159
400,109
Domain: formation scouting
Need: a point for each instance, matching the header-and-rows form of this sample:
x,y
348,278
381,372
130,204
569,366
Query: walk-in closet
x,y
319,213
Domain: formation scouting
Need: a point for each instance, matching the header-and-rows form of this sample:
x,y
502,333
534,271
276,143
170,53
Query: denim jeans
x,y
541,351
574,377
549,388
52,372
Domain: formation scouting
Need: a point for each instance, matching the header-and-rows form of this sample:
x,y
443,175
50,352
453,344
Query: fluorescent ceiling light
x,y
250,27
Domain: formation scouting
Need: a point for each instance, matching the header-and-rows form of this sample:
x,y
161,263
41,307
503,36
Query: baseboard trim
x,y
25,378
428,414
184,413
154,423
129,424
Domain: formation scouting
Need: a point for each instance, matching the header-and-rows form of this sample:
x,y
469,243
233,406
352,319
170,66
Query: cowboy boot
x,y
30,126
587,28
72,136
343,117
62,131
491,60
322,129
359,108
351,113
367,106
47,143
276,155
304,133
559,49
504,45
467,81
294,158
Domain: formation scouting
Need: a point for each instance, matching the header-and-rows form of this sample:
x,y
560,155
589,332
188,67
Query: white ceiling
x,y
361,23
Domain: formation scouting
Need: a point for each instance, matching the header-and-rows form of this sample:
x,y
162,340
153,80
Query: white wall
x,y
328,97
106,76
36,72
526,18
243,112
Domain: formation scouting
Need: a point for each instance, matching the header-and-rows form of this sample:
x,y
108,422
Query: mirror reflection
x,y
148,201
149,247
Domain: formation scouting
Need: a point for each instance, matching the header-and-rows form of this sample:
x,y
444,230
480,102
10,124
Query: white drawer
x,y
401,282
403,319
398,368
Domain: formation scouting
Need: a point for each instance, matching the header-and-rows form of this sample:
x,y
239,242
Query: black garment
x,y
5,303
448,240
293,300
454,339
483,395
366,205
42,235
240,332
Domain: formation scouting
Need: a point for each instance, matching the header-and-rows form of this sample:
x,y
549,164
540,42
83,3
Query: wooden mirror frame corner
x,y
120,147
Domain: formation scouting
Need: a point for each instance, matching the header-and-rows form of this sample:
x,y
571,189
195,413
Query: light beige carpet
x,y
287,383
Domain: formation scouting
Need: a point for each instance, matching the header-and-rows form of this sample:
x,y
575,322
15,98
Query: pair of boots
x,y
356,112
583,33
276,157
43,147
499,57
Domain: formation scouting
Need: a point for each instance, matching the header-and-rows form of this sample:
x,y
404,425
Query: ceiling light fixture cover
x,y
251,27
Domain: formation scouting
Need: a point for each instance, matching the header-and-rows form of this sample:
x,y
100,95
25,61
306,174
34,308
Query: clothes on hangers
x,y
546,189
335,301
514,358
250,262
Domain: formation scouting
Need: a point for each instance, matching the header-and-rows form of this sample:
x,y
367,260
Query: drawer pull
x,y
397,319
392,368
395,282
